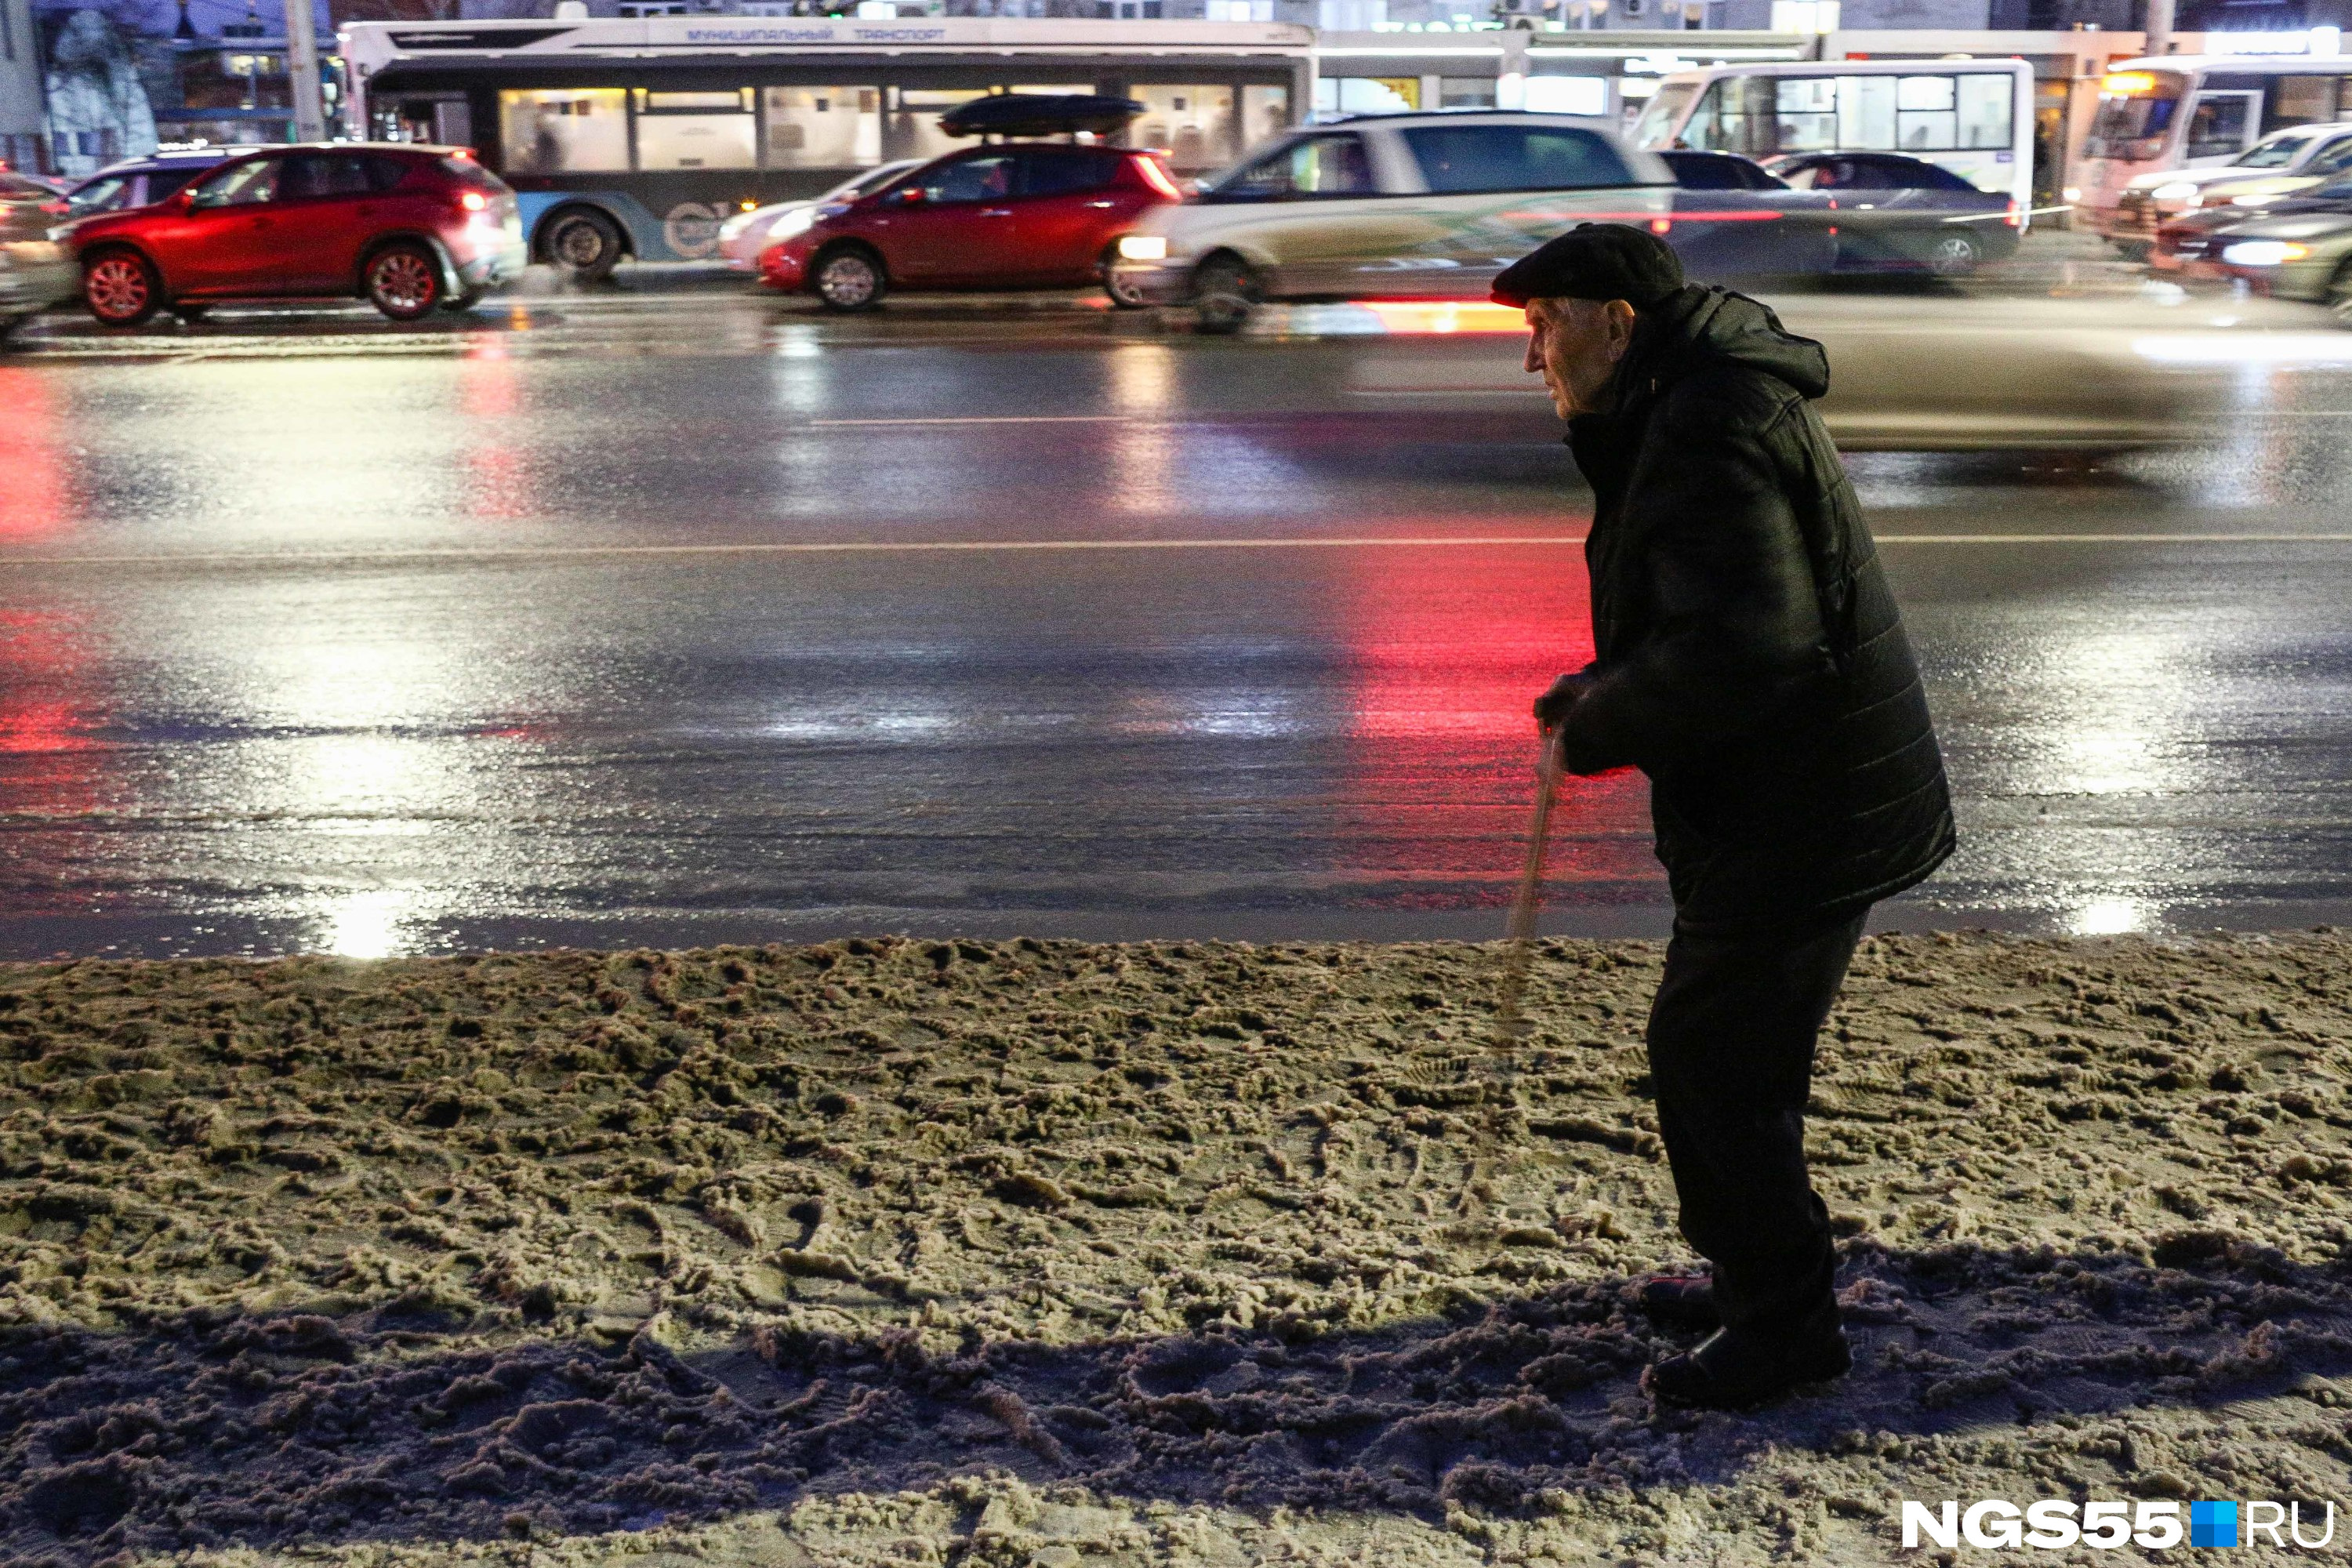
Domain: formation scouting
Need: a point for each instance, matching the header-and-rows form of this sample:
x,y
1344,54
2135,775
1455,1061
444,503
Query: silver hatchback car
x,y
1405,205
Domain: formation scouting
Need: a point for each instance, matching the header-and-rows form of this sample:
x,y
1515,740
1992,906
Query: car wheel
x,y
849,281
2340,294
120,289
190,312
1954,255
404,281
1224,292
1124,296
585,244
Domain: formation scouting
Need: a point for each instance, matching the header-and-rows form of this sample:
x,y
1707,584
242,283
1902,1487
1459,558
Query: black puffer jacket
x,y
1750,658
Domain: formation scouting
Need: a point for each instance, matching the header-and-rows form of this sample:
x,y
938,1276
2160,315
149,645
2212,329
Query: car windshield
x,y
2131,122
103,194
2275,153
867,184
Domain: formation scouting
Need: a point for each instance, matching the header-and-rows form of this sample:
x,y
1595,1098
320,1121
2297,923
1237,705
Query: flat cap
x,y
1593,261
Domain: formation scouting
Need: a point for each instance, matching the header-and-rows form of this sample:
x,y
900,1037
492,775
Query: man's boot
x,y
1679,1300
1733,1369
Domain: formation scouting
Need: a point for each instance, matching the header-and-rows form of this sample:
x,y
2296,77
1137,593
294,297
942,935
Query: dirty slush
x,y
1045,1253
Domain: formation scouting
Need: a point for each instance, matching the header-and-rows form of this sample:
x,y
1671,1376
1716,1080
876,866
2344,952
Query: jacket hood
x,y
1698,325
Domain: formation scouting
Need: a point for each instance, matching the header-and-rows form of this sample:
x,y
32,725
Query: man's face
x,y
1575,344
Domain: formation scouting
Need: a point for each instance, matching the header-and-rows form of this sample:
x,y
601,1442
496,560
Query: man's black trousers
x,y
1732,1056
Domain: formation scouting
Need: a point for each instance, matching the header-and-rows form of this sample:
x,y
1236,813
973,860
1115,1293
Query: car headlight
x,y
2177,191
1143,247
798,221
732,229
2263,252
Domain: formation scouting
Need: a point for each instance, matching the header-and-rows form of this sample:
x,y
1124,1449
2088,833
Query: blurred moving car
x,y
742,237
2301,250
1402,206
1006,216
2297,158
35,272
2184,242
1696,171
404,227
144,182
1921,216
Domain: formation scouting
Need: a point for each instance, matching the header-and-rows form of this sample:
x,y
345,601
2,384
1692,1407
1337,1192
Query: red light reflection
x,y
32,467
497,478
1449,647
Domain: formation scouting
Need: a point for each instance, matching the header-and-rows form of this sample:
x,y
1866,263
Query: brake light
x,y
1662,225
2012,219
472,201
1157,178
465,153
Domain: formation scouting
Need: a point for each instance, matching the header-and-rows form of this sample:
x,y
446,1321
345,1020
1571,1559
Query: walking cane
x,y
1520,931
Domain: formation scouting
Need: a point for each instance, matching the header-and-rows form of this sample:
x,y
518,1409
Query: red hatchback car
x,y
1013,215
406,227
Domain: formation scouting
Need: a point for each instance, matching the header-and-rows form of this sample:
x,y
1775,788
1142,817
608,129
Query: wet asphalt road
x,y
669,615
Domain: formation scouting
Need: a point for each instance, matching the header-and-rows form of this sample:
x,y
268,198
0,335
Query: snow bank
x,y
1052,1253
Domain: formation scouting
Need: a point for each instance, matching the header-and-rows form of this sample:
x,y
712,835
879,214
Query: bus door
x,y
2222,124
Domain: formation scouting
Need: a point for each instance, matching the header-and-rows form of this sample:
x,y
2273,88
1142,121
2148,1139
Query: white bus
x,y
639,136
1972,117
2187,111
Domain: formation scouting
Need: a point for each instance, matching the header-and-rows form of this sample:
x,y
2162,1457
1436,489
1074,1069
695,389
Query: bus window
x,y
696,129
2300,99
1805,114
2219,125
1866,113
564,131
1722,123
1988,104
1194,123
1266,114
2135,114
824,126
1657,122
1923,116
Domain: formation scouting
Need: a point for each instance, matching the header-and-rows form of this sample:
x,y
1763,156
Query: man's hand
x,y
1553,706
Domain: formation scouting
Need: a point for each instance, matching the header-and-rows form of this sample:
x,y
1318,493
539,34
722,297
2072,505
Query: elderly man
x,y
1752,662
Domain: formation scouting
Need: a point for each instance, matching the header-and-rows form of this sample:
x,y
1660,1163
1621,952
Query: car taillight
x,y
1157,178
2012,219
472,201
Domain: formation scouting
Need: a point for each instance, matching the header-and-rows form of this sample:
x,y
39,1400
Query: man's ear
x,y
1620,328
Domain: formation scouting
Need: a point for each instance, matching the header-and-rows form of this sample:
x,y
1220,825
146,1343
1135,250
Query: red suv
x,y
403,227
1014,215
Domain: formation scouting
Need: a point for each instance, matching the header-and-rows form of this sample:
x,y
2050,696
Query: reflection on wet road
x,y
676,620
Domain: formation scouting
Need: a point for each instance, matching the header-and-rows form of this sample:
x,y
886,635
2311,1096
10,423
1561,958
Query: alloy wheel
x,y
401,283
847,282
118,289
1954,254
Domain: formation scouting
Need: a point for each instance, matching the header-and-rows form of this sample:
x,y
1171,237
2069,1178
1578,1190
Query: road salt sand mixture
x,y
1064,1255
